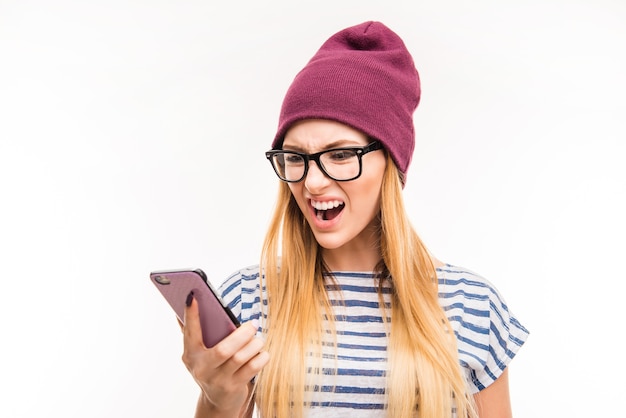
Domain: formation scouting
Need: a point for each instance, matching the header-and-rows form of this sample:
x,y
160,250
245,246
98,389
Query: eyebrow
x,y
340,143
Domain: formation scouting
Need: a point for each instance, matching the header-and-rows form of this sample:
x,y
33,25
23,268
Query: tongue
x,y
332,213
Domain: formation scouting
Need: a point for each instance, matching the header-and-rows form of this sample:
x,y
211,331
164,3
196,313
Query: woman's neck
x,y
349,258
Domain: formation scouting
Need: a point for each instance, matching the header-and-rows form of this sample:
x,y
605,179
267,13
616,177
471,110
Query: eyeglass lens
x,y
338,164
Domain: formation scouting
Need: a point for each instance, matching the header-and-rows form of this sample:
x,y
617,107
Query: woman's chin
x,y
329,241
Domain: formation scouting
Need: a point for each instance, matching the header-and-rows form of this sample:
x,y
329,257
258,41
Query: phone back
x,y
216,320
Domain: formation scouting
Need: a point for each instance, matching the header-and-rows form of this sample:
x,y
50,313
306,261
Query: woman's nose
x,y
315,179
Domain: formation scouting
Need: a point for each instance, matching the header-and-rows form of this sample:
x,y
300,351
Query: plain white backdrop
x,y
132,136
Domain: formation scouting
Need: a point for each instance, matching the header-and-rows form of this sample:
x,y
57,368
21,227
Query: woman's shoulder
x,y
251,271
468,297
453,276
240,279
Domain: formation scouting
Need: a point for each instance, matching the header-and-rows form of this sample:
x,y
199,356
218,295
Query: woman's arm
x,y
224,371
206,409
494,401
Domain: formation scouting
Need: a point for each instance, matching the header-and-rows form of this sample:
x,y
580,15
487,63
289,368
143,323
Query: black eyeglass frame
x,y
360,152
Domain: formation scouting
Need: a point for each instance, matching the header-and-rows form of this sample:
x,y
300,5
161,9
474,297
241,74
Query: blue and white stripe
x,y
488,335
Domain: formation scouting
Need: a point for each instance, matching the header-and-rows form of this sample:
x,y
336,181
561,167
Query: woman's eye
x,y
293,159
341,155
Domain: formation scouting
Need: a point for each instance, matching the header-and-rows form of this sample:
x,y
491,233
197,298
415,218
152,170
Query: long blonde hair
x,y
424,374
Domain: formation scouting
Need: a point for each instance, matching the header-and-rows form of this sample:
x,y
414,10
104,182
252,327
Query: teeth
x,y
325,205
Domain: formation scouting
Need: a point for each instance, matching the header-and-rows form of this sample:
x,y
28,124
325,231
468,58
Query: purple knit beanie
x,y
364,77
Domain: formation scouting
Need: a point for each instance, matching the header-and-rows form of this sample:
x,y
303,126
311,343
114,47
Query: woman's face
x,y
342,214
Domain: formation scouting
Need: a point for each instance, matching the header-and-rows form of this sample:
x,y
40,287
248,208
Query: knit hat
x,y
364,77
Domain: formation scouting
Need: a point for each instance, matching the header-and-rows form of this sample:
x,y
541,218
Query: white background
x,y
132,136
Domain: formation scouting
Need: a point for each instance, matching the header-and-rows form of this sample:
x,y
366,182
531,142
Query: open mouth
x,y
326,211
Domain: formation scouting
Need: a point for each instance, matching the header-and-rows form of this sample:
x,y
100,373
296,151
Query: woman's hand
x,y
223,371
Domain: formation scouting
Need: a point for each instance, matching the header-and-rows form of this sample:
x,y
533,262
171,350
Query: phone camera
x,y
162,280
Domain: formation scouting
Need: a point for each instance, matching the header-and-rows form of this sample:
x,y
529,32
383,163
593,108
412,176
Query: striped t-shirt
x,y
488,335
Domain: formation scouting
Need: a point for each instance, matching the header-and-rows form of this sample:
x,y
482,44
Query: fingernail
x,y
189,299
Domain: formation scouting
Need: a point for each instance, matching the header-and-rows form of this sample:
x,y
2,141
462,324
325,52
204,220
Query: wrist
x,y
207,409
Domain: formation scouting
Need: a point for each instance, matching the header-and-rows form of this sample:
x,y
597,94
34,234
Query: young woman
x,y
347,313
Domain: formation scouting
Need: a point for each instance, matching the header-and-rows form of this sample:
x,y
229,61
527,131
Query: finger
x,y
180,324
251,349
191,329
252,367
246,352
236,341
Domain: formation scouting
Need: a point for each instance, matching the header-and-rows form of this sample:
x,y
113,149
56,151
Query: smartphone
x,y
216,320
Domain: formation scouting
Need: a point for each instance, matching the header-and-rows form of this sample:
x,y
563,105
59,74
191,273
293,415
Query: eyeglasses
x,y
340,164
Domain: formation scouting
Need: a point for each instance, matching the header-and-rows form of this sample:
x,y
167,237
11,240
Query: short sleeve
x,y
506,337
488,333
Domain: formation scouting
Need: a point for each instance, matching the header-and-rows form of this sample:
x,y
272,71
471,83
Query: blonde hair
x,y
424,374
